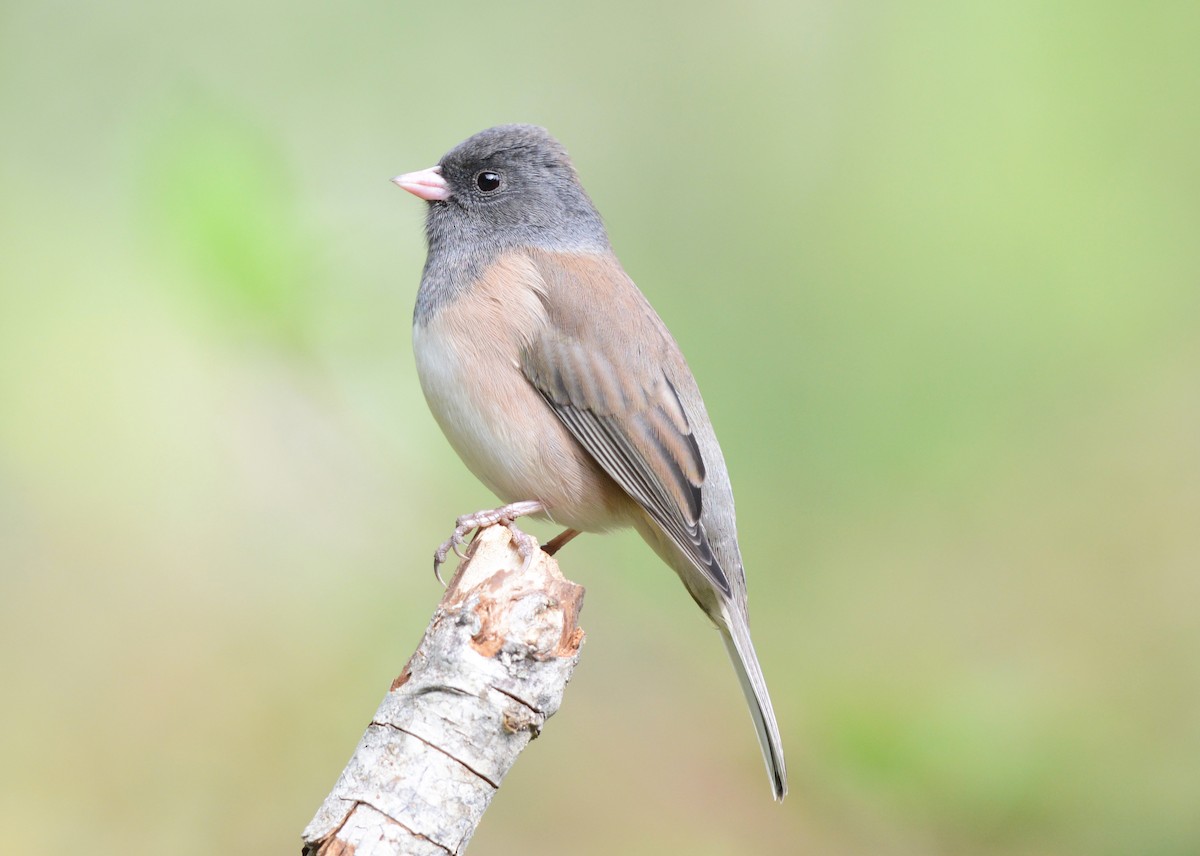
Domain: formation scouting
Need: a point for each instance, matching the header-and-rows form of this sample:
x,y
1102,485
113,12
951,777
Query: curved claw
x,y
470,522
524,543
443,552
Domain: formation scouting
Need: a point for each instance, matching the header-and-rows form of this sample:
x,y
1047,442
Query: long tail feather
x,y
736,634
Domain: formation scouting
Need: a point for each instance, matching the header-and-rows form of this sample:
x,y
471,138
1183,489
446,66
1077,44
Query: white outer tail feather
x,y
736,634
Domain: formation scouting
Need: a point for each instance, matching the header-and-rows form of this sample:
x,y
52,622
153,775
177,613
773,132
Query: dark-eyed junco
x,y
561,388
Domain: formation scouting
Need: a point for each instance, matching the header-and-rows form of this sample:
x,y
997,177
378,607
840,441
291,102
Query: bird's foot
x,y
526,546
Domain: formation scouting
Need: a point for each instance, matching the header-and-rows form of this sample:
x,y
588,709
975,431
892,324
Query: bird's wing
x,y
600,363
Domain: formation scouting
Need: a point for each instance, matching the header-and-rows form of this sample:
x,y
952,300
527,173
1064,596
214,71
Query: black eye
x,y
487,181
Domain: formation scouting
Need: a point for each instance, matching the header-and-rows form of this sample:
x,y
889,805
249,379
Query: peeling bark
x,y
491,669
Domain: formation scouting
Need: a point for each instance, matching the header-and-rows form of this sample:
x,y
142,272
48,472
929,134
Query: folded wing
x,y
621,406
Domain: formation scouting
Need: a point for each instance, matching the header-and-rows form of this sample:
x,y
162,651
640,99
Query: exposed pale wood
x,y
491,669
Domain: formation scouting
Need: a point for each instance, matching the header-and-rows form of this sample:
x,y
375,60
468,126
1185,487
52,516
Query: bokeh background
x,y
934,264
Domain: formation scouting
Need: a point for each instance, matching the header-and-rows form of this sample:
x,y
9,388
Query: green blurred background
x,y
935,266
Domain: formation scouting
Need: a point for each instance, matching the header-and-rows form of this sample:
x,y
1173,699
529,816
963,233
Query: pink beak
x,y
427,184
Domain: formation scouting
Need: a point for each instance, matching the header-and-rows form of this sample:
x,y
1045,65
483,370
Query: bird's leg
x,y
506,515
559,541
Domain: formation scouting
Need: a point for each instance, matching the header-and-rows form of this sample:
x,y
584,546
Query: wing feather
x,y
625,412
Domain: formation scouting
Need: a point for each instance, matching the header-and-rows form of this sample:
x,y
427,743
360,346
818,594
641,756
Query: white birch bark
x,y
491,669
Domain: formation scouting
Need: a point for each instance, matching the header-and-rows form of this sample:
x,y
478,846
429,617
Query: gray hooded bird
x,y
561,388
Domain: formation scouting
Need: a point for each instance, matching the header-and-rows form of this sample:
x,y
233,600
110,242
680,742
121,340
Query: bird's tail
x,y
736,633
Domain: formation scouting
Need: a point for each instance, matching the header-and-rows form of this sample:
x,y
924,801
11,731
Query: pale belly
x,y
505,432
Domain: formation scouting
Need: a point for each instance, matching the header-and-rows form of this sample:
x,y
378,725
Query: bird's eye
x,y
488,181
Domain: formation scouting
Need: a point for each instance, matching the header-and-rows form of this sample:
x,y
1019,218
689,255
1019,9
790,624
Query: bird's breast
x,y
468,359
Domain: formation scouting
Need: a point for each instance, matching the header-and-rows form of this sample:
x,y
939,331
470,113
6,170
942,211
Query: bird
x,y
561,388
